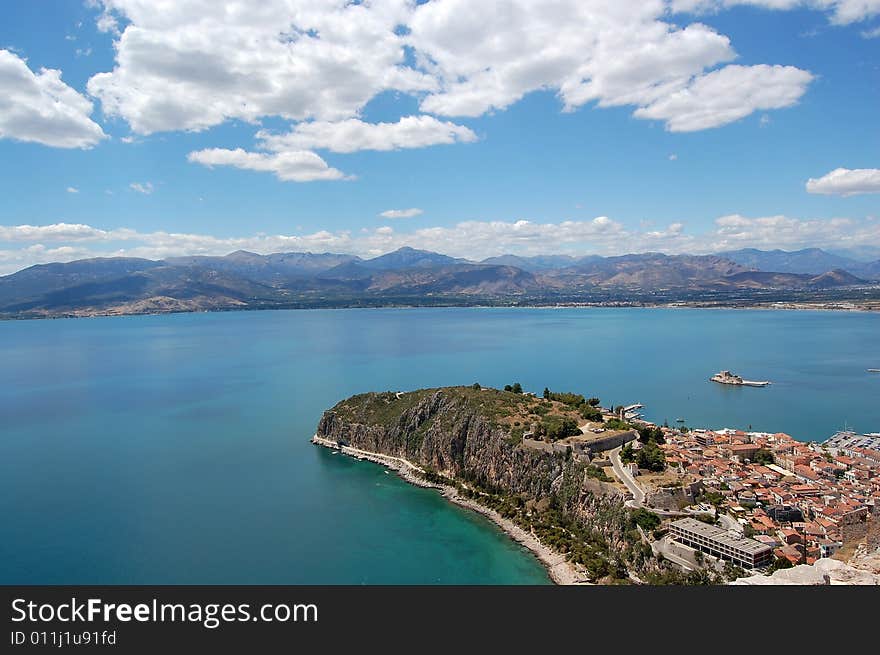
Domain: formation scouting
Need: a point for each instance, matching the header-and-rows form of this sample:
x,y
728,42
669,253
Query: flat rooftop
x,y
721,536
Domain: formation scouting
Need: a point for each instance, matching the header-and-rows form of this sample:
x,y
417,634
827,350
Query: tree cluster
x,y
557,427
588,408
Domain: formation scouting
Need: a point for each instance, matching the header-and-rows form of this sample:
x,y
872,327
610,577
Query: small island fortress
x,y
726,377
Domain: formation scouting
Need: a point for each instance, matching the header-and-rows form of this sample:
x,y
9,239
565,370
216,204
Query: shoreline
x,y
792,306
560,570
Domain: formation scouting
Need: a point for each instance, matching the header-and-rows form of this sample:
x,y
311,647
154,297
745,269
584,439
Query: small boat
x,y
874,370
679,420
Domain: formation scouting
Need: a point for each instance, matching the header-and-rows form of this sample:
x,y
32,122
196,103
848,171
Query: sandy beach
x,y
561,571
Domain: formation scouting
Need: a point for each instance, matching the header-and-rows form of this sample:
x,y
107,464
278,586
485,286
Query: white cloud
x,y
736,231
846,182
727,95
353,135
192,64
587,50
872,33
142,187
402,213
53,232
290,166
40,108
469,239
673,157
841,12
72,189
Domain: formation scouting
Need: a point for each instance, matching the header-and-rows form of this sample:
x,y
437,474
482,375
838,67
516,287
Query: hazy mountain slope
x,y
273,268
811,261
410,258
538,262
42,279
649,270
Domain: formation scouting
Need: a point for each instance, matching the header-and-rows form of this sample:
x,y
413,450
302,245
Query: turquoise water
x,y
174,449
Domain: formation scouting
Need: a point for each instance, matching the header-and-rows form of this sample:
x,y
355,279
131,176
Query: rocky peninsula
x,y
473,444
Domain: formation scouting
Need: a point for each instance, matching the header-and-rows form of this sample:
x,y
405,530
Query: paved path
x,y
626,477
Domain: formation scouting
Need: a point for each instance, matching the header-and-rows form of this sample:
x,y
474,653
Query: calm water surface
x,y
174,449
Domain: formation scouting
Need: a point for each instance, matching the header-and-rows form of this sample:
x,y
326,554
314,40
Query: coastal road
x,y
626,477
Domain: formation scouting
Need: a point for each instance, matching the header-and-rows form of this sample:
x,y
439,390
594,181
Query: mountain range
x,y
245,280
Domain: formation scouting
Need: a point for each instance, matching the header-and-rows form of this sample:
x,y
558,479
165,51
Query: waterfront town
x,y
760,500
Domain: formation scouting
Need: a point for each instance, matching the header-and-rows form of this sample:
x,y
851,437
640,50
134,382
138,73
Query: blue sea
x,y
175,449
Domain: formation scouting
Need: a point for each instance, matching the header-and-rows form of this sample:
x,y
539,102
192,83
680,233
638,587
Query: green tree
x,y
617,424
645,519
476,386
547,393
763,456
647,433
590,413
626,454
732,571
650,457
558,427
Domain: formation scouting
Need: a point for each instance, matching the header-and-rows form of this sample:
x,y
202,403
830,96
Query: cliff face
x,y
442,430
460,433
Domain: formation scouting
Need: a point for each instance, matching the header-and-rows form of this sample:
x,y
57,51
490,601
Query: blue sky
x,y
588,127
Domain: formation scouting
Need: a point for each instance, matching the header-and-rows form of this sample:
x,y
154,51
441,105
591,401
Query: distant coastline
x,y
868,307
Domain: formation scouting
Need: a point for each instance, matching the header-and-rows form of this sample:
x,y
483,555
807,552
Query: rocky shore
x,y
561,571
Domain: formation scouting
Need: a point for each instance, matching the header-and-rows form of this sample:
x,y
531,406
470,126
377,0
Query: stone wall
x,y
612,441
671,498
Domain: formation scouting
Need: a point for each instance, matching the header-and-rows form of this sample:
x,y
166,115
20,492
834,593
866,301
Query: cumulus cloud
x,y
728,94
39,107
841,12
191,65
872,33
587,50
53,232
469,239
142,187
846,182
401,213
72,189
290,166
353,134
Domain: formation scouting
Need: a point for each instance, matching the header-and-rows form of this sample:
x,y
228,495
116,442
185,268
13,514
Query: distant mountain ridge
x,y
811,261
244,280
